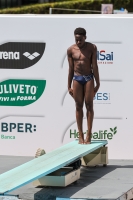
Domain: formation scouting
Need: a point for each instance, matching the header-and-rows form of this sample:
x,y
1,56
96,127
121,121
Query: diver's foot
x,y
81,138
87,140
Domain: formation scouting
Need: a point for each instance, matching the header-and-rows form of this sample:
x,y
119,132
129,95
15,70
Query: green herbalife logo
x,y
101,134
19,92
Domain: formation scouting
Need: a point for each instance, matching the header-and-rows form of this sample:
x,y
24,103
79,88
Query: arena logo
x,y
9,55
99,135
20,55
31,56
102,98
105,58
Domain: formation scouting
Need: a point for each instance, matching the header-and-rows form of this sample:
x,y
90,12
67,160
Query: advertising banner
x,y
107,8
36,110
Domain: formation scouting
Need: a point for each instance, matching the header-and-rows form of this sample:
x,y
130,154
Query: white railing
x,y
95,11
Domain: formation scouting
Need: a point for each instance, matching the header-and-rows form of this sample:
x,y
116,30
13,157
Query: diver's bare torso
x,y
82,58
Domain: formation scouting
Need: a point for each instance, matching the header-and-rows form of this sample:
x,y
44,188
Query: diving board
x,y
45,164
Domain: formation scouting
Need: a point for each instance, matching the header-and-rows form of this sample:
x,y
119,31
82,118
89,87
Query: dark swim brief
x,y
83,79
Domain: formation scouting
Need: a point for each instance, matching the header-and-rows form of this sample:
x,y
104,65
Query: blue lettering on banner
x,y
102,96
102,55
105,96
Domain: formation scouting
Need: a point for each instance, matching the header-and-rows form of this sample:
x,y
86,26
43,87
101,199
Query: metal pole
x,y
50,10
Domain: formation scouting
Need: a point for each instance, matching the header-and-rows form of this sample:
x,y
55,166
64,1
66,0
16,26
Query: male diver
x,y
83,69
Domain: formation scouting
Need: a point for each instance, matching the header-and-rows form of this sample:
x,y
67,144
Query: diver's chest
x,y
82,55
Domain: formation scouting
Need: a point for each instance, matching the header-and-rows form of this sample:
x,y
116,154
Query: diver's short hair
x,y
80,31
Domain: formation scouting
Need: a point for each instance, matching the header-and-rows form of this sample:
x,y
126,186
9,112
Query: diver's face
x,y
80,40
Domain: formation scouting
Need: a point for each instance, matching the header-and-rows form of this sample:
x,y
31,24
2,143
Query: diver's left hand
x,y
96,89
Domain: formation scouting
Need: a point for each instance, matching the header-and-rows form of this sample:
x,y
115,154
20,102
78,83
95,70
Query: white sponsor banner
x,y
107,8
33,83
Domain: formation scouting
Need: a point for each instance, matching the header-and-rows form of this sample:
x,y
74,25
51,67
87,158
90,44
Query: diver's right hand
x,y
70,90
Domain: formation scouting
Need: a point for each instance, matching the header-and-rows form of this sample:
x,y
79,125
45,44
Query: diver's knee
x,y
79,106
89,106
